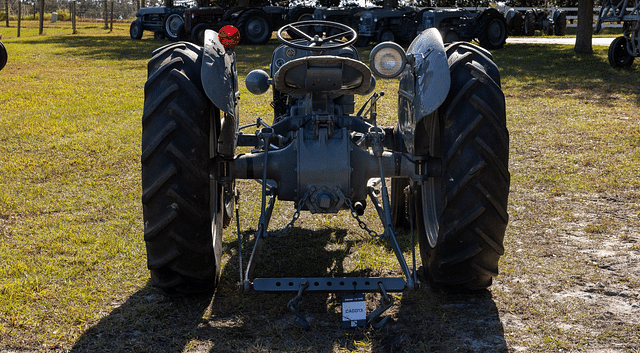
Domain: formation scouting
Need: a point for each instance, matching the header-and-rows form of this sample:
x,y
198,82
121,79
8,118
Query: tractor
x,y
441,171
487,27
549,21
624,49
164,21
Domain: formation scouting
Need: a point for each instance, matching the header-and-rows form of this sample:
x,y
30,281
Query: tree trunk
x,y
585,27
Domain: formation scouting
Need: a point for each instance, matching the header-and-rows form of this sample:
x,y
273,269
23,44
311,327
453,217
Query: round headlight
x,y
387,60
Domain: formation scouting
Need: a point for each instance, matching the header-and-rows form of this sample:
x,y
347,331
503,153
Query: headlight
x,y
387,60
257,82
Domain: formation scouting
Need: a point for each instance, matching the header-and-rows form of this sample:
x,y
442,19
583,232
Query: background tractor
x,y
550,22
623,50
488,27
163,21
189,22
446,158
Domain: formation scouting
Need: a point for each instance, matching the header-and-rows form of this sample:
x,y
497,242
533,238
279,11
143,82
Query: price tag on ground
x,y
354,311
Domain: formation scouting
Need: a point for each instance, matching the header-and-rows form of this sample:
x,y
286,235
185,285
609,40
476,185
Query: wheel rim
x,y
620,54
430,190
430,193
257,27
173,24
495,32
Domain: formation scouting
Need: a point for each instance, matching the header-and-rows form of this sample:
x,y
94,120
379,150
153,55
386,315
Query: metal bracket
x,y
301,319
386,301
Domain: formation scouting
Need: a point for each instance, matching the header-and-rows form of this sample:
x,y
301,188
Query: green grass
x,y
73,270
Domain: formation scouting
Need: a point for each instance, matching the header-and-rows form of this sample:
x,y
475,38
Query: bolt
x,y
325,201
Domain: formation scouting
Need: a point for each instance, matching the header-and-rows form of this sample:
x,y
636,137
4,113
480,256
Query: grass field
x,y
73,273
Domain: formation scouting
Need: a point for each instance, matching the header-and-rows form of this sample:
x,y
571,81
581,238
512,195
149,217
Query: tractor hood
x,y
218,74
151,11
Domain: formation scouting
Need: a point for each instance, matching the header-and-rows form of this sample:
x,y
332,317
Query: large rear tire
x,y
174,25
3,56
560,23
619,56
493,30
136,29
462,215
255,27
530,19
183,254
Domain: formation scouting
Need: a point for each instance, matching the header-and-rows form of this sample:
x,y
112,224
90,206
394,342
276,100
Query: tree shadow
x,y
102,48
558,67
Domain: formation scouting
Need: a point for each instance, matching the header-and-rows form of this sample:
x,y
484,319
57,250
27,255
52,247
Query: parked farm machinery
x,y
623,50
446,158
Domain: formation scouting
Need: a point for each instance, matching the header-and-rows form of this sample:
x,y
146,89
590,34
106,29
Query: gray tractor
x,y
549,21
624,49
441,169
488,27
164,21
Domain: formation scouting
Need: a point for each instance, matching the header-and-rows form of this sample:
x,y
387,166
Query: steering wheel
x,y
318,42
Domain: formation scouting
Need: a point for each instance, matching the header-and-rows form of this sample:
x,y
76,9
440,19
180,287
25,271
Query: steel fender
x,y
424,85
218,76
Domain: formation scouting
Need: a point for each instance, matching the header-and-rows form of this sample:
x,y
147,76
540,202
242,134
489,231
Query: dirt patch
x,y
579,290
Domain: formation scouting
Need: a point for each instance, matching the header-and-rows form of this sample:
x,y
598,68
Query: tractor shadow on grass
x,y
423,320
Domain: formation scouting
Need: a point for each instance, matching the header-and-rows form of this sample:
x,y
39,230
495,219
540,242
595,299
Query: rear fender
x,y
424,84
220,82
219,76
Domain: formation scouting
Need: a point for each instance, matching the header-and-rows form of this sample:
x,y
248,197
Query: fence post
x,y
6,3
111,28
73,16
106,16
41,17
19,16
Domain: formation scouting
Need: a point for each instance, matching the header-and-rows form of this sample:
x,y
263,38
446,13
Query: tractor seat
x,y
323,74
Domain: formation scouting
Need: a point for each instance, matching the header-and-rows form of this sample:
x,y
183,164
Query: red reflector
x,y
229,37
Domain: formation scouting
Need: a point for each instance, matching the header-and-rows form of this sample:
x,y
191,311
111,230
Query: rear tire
x,y
174,25
530,23
386,36
619,56
255,27
462,215
493,30
182,254
362,41
135,30
197,34
3,56
560,23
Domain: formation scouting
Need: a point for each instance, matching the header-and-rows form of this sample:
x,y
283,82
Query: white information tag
x,y
354,311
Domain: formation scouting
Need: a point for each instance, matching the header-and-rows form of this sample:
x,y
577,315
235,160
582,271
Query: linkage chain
x,y
361,223
296,215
